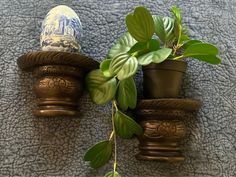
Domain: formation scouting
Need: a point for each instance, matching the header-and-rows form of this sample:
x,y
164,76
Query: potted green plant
x,y
157,44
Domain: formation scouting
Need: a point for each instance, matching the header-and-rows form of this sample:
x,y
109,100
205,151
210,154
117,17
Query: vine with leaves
x,y
150,39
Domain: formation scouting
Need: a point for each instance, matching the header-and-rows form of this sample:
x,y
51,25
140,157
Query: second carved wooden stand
x,y
163,127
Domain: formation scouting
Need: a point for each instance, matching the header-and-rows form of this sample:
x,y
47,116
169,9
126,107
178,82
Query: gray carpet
x,y
32,147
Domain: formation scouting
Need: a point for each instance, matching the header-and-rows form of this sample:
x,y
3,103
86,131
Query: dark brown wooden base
x,y
59,80
163,127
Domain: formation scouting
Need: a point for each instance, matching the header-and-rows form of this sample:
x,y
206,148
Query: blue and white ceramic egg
x,y
61,30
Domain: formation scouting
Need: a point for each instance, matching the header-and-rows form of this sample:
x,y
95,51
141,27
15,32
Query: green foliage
x,y
164,28
212,59
190,42
153,45
139,46
140,24
155,57
101,88
180,31
127,94
169,28
104,67
176,12
201,49
99,154
125,126
123,66
112,174
122,45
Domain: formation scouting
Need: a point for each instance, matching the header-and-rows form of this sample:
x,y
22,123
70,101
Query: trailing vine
x,y
150,39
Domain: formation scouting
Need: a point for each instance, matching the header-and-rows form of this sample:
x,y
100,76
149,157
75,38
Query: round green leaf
x,y
200,49
122,45
169,24
159,28
127,94
142,47
112,174
189,43
99,154
212,59
139,46
140,24
101,88
164,28
156,56
104,67
123,66
125,126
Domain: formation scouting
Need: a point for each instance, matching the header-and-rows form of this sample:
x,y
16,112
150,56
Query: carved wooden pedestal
x,y
59,83
163,128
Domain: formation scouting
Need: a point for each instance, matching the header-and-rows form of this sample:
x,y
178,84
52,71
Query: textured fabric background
x,y
31,146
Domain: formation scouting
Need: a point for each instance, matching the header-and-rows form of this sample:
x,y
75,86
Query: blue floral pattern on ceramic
x,y
61,30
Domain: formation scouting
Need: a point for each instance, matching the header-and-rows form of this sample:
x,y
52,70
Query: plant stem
x,y
165,45
180,34
175,49
179,57
114,133
135,54
114,102
111,135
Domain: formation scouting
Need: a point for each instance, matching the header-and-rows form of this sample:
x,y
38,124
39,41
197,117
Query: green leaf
x,y
127,94
153,45
101,88
140,24
125,126
139,46
159,28
122,45
124,66
184,34
164,28
183,37
104,67
142,47
112,174
156,56
208,58
169,24
180,31
201,49
190,42
176,12
99,154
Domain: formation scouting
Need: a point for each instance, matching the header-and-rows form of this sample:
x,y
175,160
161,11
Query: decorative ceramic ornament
x,y
59,68
61,30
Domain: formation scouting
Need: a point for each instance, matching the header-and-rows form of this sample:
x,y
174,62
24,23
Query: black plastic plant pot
x,y
163,80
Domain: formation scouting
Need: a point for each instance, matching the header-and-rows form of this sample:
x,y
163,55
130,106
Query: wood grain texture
x,y
179,104
41,58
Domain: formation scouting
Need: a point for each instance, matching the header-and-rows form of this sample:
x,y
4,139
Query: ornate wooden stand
x,y
59,83
163,128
